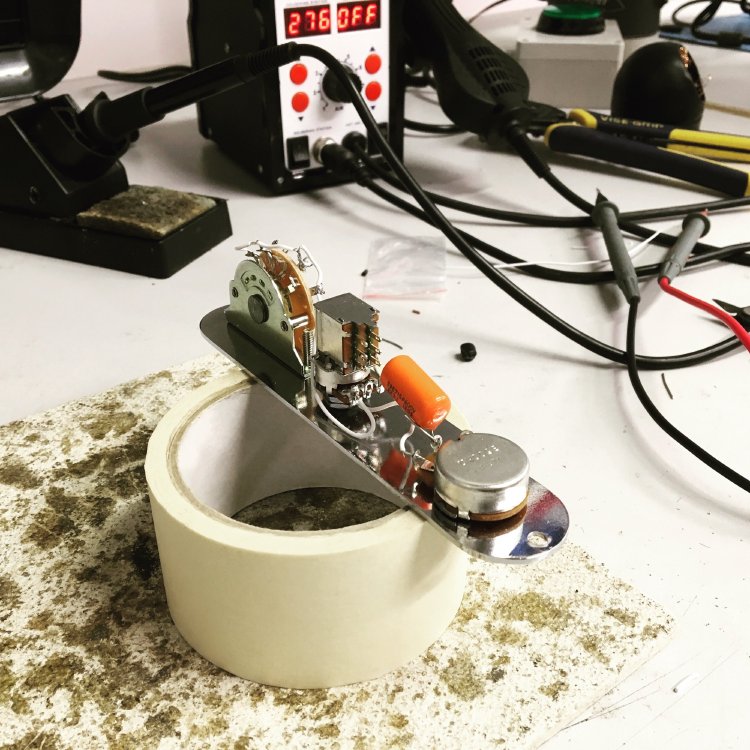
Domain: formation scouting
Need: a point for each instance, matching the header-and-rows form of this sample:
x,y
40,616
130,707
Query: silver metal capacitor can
x,y
481,475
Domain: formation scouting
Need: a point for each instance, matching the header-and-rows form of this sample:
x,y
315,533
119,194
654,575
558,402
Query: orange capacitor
x,y
426,404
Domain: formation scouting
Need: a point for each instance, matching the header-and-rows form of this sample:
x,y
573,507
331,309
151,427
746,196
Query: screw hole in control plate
x,y
538,540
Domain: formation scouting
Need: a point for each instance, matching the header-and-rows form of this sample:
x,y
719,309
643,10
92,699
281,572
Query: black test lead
x,y
605,215
695,226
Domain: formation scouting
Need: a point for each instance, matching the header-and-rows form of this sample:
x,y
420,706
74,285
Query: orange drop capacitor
x,y
426,404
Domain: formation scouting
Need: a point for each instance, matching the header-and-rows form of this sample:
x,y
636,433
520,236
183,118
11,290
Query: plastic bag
x,y
406,268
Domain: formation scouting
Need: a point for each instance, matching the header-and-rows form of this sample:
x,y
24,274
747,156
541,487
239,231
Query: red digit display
x,y
307,21
324,20
357,16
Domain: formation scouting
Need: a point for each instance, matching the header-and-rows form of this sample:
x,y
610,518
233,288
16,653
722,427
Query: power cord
x,y
521,143
156,75
435,128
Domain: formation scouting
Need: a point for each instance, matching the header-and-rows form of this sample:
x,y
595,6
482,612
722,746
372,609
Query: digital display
x,y
356,16
308,21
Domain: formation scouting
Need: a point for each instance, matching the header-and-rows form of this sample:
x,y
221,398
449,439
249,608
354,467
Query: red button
x,y
300,101
373,90
372,64
298,74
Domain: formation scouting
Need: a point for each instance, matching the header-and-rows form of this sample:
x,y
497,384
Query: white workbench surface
x,y
639,503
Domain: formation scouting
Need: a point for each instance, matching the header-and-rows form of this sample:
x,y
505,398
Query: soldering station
x,y
271,125
304,95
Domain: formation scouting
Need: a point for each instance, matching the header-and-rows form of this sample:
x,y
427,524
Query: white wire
x,y
311,263
343,428
362,405
405,437
633,252
367,410
382,407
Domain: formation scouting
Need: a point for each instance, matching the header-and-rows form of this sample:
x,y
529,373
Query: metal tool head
x,y
741,313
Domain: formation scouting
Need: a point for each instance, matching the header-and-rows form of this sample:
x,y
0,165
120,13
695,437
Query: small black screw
x,y
468,352
235,293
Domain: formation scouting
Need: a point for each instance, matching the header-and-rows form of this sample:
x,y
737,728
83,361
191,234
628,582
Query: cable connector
x,y
517,138
605,216
339,159
355,141
694,226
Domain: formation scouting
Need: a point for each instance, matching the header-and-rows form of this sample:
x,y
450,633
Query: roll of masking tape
x,y
302,609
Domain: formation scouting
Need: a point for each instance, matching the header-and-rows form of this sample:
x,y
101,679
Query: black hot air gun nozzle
x,y
480,88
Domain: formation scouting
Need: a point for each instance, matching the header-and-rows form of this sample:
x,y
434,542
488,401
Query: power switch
x,y
298,152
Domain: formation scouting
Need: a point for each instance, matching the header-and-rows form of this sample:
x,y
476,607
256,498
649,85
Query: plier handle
x,y
706,143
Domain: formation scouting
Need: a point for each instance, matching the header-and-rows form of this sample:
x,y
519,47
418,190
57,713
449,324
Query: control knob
x,y
335,90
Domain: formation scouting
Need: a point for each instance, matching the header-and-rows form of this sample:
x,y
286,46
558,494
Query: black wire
x,y
703,18
441,128
157,75
700,453
419,78
705,253
671,362
570,222
416,80
685,24
485,9
726,39
563,190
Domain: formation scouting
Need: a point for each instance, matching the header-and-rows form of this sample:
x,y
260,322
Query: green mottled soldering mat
x,y
89,657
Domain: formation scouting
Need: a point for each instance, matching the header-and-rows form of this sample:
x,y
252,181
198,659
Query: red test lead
x,y
693,228
717,312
